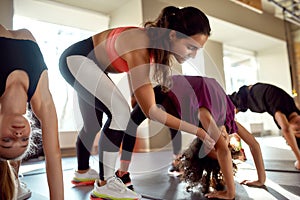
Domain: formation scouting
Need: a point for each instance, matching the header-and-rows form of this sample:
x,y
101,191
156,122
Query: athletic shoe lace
x,y
116,183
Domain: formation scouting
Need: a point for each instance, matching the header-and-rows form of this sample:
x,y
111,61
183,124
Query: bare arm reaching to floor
x,y
43,107
144,94
256,154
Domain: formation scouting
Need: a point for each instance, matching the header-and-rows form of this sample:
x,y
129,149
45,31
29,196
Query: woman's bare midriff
x,y
99,41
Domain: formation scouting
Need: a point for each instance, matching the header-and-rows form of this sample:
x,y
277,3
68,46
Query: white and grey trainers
x,y
113,189
23,191
87,178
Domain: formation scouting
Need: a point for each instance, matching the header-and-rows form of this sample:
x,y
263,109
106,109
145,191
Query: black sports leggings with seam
x,y
91,109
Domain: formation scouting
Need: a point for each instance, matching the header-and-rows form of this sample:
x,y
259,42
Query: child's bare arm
x,y
256,154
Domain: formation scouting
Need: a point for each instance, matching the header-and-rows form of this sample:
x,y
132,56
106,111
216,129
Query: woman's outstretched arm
x,y
44,108
139,65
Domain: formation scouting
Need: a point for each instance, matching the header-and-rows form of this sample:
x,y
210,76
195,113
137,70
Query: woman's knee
x,y
120,117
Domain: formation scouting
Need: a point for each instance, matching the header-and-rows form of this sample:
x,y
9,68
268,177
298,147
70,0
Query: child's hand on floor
x,y
252,183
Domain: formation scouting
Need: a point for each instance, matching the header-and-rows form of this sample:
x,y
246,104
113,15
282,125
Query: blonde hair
x,y
8,184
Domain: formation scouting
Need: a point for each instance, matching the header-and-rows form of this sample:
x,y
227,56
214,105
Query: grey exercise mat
x,y
277,156
161,186
293,189
158,185
38,166
281,166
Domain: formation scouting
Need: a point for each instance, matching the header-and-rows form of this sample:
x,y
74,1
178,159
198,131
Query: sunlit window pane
x,y
53,39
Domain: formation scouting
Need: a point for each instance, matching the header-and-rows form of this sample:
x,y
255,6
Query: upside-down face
x,y
14,136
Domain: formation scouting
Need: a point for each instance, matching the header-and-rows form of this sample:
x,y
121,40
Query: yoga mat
x,y
277,155
293,189
35,167
161,186
280,166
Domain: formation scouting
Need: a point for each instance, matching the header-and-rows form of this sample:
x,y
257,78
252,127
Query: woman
x,y
86,65
263,97
24,79
202,101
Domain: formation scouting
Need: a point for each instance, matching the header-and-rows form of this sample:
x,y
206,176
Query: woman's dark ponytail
x,y
187,21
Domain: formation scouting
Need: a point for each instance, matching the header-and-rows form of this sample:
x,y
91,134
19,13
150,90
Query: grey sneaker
x,y
113,189
23,191
87,178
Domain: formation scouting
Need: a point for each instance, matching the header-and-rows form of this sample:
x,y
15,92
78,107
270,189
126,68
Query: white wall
x,y
129,14
274,67
6,13
62,14
214,66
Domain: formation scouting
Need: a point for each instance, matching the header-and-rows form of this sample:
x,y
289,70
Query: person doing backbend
x,y
203,102
24,80
264,97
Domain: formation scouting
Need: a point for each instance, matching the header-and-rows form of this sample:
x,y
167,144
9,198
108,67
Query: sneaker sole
x,y
93,197
97,198
83,183
23,197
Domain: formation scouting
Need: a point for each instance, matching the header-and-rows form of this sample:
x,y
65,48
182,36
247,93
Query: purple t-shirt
x,y
189,93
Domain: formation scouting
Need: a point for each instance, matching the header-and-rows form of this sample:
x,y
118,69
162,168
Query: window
x,y
53,39
240,68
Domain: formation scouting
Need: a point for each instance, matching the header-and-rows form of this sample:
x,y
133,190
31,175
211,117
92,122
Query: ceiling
x,y
254,42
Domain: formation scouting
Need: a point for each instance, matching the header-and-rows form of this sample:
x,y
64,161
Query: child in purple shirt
x,y
203,102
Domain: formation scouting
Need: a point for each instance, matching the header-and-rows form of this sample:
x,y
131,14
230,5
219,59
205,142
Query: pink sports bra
x,y
116,61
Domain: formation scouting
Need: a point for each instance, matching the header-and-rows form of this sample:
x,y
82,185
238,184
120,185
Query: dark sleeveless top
x,y
21,55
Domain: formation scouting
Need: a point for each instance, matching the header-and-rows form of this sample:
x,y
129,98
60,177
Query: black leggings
x,y
91,110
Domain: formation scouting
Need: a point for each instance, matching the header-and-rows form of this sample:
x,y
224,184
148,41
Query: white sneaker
x,y
114,189
87,178
23,191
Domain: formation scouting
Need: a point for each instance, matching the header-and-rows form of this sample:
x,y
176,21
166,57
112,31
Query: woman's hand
x,y
207,140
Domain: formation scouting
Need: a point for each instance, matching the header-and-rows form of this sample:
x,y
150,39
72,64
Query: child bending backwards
x,y
203,102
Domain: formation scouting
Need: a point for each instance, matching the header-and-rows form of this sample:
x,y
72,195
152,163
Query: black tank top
x,y
21,55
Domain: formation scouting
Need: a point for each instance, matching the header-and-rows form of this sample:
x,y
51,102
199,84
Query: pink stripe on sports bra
x,y
116,61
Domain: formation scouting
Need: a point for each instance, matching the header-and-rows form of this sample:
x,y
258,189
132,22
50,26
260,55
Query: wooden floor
x,y
149,176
